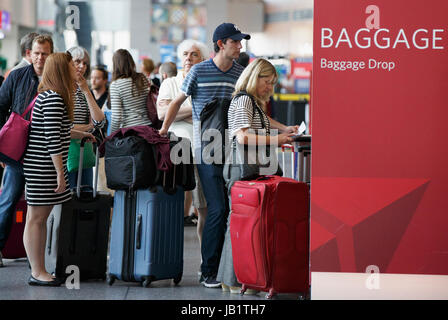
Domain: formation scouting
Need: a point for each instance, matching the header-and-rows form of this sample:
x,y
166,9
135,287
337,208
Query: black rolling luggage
x,y
182,165
78,232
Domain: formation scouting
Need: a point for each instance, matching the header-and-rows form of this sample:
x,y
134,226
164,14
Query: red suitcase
x,y
14,247
269,230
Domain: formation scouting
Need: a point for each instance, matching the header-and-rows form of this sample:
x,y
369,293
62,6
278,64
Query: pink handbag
x,y
14,134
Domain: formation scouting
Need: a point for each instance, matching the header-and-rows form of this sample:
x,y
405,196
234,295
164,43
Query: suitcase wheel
x,y
110,279
178,279
305,295
147,281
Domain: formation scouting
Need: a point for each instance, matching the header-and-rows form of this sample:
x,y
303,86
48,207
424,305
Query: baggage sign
x,y
379,173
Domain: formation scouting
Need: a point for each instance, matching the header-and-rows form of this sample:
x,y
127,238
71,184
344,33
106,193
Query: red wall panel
x,y
379,165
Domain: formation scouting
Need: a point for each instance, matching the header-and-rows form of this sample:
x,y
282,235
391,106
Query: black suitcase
x,y
78,232
182,164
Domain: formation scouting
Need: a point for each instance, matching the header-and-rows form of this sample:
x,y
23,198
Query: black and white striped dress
x,y
128,106
49,135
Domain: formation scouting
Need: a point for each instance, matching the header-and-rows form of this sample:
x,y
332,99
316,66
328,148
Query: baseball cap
x,y
228,30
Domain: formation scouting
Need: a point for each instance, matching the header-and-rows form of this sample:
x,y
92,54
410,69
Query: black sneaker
x,y
1,260
210,281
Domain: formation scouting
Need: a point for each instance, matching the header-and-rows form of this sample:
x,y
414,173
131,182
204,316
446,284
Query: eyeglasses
x,y
268,81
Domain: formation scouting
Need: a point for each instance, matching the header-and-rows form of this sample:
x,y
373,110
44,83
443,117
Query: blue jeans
x,y
215,223
13,186
86,178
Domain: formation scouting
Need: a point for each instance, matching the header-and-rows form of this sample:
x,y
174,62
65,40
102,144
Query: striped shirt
x,y
49,135
242,114
81,112
128,106
204,82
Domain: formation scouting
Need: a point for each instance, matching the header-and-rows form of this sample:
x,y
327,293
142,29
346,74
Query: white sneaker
x,y
1,260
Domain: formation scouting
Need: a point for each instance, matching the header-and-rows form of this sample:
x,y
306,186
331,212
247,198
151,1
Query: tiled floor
x,y
14,275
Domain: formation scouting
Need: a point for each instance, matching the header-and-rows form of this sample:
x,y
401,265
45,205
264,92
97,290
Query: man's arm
x,y
167,92
162,108
173,109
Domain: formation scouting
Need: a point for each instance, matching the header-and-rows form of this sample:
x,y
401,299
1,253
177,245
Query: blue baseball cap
x,y
229,30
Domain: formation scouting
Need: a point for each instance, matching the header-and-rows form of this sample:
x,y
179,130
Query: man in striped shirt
x,y
213,78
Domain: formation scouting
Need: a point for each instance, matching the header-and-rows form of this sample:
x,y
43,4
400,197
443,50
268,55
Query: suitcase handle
x,y
287,146
139,232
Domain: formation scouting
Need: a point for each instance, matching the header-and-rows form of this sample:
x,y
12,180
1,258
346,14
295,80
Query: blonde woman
x,y
247,123
45,159
190,52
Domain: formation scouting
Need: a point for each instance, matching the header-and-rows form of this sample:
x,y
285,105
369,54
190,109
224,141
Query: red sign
x,y
379,164
301,70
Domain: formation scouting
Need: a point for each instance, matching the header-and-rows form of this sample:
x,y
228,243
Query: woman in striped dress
x,y
45,158
128,93
87,114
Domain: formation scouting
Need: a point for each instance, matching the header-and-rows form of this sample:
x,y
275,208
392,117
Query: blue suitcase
x,y
147,237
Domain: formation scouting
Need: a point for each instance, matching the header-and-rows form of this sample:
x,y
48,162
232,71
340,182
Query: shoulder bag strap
x,y
30,107
255,107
